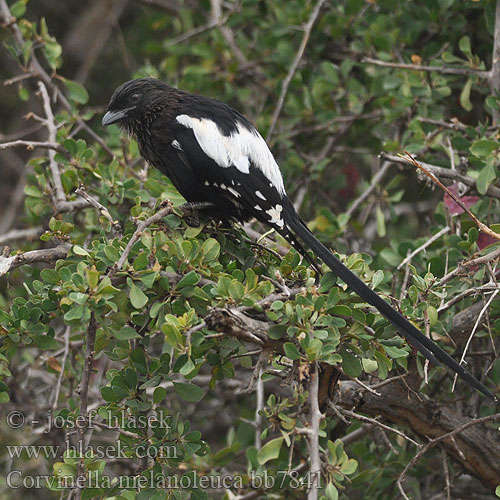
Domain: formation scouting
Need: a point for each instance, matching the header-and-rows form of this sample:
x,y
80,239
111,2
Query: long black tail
x,y
417,339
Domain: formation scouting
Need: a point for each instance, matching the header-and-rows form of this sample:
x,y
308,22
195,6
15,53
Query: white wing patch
x,y
275,215
238,149
176,145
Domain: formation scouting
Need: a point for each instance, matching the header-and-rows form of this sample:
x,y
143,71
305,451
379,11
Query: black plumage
x,y
213,154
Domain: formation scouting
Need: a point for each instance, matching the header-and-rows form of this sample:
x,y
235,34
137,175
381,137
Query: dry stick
x,y
293,68
476,324
63,364
438,69
445,173
83,390
369,420
168,209
482,227
375,180
313,434
435,441
477,261
423,247
117,230
52,130
48,256
30,145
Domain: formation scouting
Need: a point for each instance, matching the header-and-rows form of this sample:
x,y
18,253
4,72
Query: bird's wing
x,y
239,165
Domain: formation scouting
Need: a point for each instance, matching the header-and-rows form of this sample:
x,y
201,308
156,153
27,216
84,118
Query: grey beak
x,y
113,116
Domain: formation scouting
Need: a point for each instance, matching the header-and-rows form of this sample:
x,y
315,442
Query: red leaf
x,y
453,206
484,240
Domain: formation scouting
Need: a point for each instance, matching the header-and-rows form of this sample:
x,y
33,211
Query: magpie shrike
x,y
213,154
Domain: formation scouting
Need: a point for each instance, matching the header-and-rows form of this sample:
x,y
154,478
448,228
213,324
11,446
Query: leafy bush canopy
x,y
153,357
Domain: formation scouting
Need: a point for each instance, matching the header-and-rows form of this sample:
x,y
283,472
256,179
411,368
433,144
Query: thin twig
x,y
437,69
52,130
83,390
166,210
429,242
117,229
437,440
482,227
476,324
55,394
444,173
369,420
373,184
293,68
30,145
313,435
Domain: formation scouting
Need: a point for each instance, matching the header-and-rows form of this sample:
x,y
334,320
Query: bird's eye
x,y
134,97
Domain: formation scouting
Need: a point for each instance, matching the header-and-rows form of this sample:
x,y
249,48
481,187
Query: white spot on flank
x,y
215,184
257,207
238,149
223,186
207,183
176,145
260,195
233,192
275,215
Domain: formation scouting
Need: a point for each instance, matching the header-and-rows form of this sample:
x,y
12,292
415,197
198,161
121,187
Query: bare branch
x,y
481,226
166,210
293,68
373,184
83,390
48,256
30,145
437,69
427,243
444,173
313,436
117,229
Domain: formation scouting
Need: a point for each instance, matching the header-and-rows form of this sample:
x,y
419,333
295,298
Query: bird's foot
x,y
191,209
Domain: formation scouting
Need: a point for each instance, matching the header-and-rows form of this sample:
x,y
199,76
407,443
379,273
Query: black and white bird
x,y
213,154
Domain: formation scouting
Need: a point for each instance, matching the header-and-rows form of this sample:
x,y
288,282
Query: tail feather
x,y
416,338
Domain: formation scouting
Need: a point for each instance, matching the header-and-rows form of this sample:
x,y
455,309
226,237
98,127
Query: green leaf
x,y
45,342
381,230
78,250
291,351
190,279
18,9
77,92
465,47
159,395
137,297
270,451
4,397
486,176
432,314
369,365
465,96
377,278
189,392
331,492
210,249
126,333
484,147
350,364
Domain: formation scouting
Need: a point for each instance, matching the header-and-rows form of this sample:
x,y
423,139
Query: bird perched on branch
x,y
219,162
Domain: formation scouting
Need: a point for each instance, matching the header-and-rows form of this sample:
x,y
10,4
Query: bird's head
x,y
135,102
